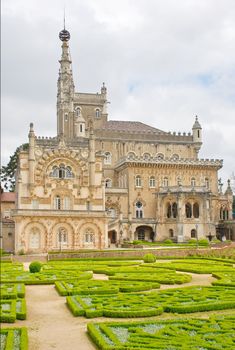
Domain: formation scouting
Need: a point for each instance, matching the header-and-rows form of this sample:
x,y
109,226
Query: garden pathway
x,y
50,324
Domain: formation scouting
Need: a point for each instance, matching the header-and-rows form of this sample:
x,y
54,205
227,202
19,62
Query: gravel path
x,y
50,324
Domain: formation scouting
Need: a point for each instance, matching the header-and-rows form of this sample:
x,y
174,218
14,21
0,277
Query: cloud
x,y
163,62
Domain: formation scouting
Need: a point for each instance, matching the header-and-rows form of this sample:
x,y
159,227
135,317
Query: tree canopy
x,y
8,172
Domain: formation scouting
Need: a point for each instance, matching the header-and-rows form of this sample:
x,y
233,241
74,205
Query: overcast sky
x,y
163,62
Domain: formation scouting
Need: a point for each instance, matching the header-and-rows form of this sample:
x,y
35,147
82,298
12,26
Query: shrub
x,y
35,266
149,258
192,241
137,242
203,242
168,241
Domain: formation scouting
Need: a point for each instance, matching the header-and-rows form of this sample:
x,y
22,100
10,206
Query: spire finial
x,y
64,35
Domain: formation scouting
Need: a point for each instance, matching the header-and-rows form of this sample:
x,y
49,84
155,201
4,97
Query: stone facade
x,y
99,182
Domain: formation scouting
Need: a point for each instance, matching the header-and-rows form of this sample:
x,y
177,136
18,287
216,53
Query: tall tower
x,y
65,90
197,135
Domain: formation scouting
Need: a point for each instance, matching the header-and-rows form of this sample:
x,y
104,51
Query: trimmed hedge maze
x,y
224,279
14,339
177,300
12,290
12,309
200,267
45,277
178,334
165,277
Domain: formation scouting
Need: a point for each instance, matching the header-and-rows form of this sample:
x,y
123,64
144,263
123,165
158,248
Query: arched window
x,y
62,172
152,181
78,111
188,210
108,183
66,203
89,237
66,117
179,182
193,182
171,233
107,158
111,212
81,128
57,203
207,183
168,210
97,113
165,182
221,213
193,233
196,210
62,238
34,239
138,182
174,210
139,210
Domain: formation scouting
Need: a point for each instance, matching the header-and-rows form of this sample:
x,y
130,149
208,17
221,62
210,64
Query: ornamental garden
x,y
137,305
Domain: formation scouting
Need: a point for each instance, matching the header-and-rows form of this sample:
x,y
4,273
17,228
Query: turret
x,y
197,135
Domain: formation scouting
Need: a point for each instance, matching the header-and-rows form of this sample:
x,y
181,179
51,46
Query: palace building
x,y
100,182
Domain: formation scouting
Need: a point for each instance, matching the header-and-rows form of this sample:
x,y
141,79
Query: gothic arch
x,y
54,234
93,228
28,229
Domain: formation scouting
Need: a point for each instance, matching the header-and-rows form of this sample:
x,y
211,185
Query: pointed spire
x,y
196,124
229,189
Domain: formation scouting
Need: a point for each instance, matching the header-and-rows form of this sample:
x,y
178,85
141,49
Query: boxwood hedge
x,y
12,290
14,338
177,300
12,309
178,334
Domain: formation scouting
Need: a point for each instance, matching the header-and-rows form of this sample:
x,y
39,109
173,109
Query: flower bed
x,y
12,291
179,334
14,339
13,309
65,288
177,300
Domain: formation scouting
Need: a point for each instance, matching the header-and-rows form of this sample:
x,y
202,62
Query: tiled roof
x,y
8,197
129,126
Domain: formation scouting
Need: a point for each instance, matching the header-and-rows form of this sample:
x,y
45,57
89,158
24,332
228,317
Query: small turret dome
x,y
64,35
196,124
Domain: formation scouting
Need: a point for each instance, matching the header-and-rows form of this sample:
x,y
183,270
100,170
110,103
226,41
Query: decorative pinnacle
x,y
64,34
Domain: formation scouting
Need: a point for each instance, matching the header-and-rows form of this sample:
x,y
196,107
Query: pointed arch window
x,y
188,210
34,239
171,233
193,233
62,237
78,112
139,210
196,210
89,237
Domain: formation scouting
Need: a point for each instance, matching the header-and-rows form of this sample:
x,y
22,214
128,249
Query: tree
x,y
8,172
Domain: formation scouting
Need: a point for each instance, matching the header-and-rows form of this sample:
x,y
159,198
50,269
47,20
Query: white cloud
x,y
163,62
